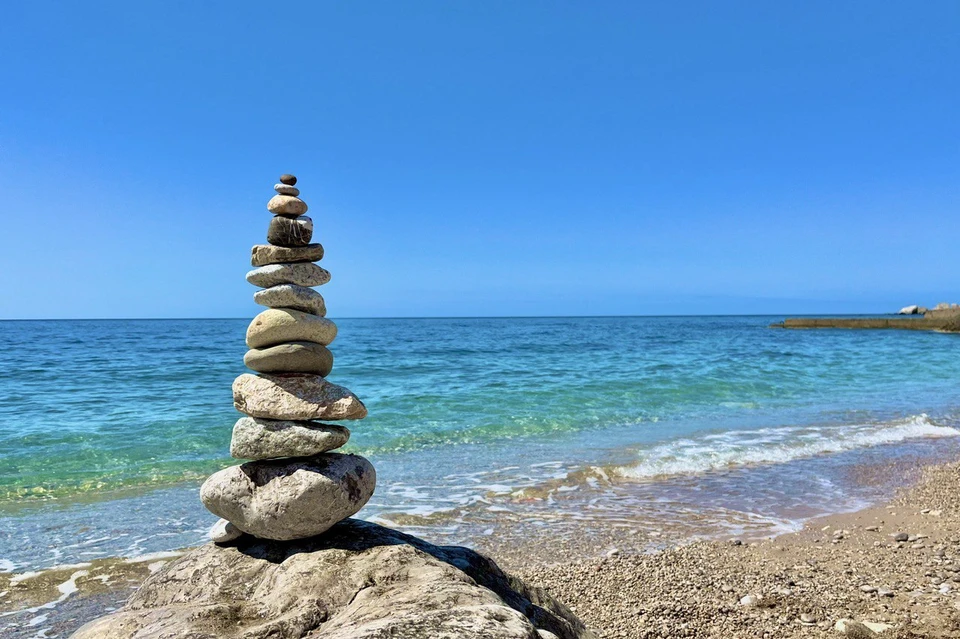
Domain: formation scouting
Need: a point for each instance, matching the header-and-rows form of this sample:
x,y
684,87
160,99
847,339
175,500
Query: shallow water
x,y
477,426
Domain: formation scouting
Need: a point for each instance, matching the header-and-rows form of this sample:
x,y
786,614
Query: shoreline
x,y
699,583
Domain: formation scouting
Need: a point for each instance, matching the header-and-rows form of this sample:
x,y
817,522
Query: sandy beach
x,y
896,564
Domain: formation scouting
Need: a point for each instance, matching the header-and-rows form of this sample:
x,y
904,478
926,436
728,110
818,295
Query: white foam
x,y
774,445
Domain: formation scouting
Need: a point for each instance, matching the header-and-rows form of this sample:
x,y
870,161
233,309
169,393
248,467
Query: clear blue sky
x,y
483,157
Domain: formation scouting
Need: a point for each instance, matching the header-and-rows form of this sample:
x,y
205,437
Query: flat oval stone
x,y
284,499
263,254
292,357
286,189
272,439
299,273
290,231
286,205
299,298
279,325
295,397
286,178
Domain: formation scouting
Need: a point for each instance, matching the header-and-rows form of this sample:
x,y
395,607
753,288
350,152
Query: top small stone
x,y
286,178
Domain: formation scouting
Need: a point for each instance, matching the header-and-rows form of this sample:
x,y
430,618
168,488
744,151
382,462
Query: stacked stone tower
x,y
294,487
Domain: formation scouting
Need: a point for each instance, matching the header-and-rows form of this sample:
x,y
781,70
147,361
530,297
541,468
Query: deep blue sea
x,y
670,425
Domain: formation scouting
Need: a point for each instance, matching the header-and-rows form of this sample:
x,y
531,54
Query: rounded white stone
x,y
286,205
299,298
223,532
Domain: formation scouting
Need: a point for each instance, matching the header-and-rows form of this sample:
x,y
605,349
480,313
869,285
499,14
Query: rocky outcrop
x,y
357,581
909,310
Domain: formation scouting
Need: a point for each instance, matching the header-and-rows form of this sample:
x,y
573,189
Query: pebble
x,y
901,536
279,325
299,298
286,205
295,397
872,528
290,231
750,601
299,273
224,532
292,357
264,254
286,189
884,592
867,589
272,439
288,179
807,619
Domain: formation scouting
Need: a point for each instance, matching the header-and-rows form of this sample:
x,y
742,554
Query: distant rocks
x,y
263,254
295,397
280,325
301,274
273,439
909,310
290,499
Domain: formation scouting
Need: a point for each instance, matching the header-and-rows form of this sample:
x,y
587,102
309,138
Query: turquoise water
x,y
107,427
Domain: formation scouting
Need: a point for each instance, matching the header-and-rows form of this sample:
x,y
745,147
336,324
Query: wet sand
x,y
793,585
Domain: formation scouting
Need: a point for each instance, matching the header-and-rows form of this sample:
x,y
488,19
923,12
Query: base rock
x,y
357,581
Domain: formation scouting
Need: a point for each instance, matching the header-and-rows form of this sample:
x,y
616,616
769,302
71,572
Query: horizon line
x,y
436,317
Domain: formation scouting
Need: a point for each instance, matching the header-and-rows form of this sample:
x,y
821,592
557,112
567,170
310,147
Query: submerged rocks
x,y
263,254
357,581
301,274
290,499
295,397
292,357
270,439
279,325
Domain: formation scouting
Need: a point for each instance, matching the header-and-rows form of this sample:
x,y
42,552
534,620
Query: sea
x,y
480,429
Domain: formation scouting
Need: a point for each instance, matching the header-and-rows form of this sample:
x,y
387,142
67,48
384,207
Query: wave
x,y
716,451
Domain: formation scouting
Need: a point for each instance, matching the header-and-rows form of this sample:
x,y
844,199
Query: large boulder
x,y
290,498
357,581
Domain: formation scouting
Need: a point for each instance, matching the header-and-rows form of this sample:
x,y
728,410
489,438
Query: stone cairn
x,y
294,487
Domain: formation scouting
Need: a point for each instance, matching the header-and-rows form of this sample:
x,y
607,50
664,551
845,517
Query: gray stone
x,y
224,532
292,357
290,231
299,298
286,205
290,499
357,581
286,189
264,254
295,397
288,179
271,439
299,273
280,325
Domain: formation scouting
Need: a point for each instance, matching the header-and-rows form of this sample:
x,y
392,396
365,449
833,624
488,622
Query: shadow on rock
x,y
357,580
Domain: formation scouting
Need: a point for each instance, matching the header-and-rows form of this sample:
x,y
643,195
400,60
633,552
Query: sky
x,y
483,158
